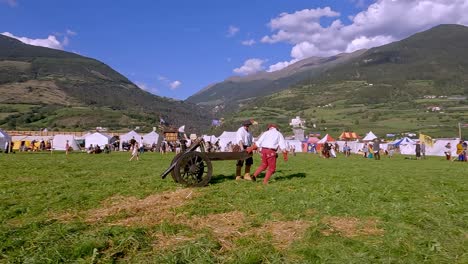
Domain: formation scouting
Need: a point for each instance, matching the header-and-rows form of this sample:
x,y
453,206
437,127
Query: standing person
x,y
142,146
423,150
67,148
376,148
465,147
460,154
365,149
7,147
269,142
244,139
448,151
135,152
418,150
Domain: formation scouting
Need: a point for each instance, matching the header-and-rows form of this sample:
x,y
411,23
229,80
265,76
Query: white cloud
x,y
70,32
50,42
382,22
169,83
250,66
11,3
280,65
248,42
232,31
146,87
175,84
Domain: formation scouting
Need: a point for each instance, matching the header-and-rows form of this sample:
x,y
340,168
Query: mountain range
x,y
43,87
436,54
49,80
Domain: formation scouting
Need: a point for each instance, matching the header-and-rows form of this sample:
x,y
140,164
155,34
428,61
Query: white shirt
x,y
272,139
245,136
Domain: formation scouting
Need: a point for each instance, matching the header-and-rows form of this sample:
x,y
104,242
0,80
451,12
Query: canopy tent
x,y
326,138
437,149
294,142
83,136
369,136
4,139
59,142
151,138
348,136
127,137
313,140
225,138
97,138
211,138
403,141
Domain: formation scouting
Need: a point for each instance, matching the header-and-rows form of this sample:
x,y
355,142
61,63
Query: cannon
x,y
193,167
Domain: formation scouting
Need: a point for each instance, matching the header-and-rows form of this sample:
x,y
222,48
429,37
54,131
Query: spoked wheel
x,y
193,169
173,171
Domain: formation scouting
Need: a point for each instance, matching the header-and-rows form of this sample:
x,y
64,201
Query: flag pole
x,y
459,131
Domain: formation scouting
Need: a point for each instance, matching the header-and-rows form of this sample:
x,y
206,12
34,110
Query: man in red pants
x,y
269,142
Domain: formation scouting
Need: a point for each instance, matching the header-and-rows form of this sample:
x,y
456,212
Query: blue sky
x,y
175,48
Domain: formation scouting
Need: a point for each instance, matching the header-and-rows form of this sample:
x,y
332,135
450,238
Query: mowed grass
x,y
344,210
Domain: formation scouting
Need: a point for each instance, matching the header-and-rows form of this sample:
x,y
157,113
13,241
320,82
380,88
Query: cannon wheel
x,y
173,170
193,169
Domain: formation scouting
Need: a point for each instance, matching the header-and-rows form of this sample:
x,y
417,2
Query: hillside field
x,y
101,208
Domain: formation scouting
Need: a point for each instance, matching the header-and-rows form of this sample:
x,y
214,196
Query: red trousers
x,y
268,161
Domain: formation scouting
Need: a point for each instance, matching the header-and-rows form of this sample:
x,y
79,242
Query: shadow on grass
x,y
290,176
220,178
223,178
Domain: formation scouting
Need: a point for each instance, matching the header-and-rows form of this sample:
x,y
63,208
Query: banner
x,y
426,139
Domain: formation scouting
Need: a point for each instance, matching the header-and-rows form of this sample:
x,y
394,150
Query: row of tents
x,y
59,142
405,145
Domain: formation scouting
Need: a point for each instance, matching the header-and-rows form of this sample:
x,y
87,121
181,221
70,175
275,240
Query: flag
x,y
426,140
215,122
464,125
182,129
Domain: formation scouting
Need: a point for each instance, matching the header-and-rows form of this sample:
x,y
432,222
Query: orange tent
x,y
349,136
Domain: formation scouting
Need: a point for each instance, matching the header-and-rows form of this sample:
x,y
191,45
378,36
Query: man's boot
x,y
238,172
247,174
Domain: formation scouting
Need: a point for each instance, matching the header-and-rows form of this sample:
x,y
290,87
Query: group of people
x,y
43,146
269,143
461,150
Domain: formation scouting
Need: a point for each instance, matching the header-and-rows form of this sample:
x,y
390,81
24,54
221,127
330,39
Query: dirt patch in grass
x,y
352,227
149,211
225,227
283,233
165,242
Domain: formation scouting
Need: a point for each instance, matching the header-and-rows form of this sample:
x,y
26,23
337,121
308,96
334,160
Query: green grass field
x,y
103,209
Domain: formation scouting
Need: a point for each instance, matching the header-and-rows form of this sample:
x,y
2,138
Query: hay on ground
x,y
352,226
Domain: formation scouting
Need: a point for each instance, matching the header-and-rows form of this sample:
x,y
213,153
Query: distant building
x,y
297,122
434,108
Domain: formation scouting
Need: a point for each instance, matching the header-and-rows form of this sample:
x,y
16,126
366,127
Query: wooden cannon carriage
x,y
193,168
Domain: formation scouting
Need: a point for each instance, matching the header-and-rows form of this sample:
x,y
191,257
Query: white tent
x,y
97,139
211,138
403,141
437,149
59,142
369,137
326,138
84,136
151,138
4,139
225,138
127,137
294,142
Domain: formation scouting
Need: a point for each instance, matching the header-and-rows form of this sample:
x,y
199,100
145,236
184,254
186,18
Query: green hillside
x,y
59,84
383,90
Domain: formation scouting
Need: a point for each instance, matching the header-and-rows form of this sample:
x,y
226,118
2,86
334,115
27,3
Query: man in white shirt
x,y
269,142
244,139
